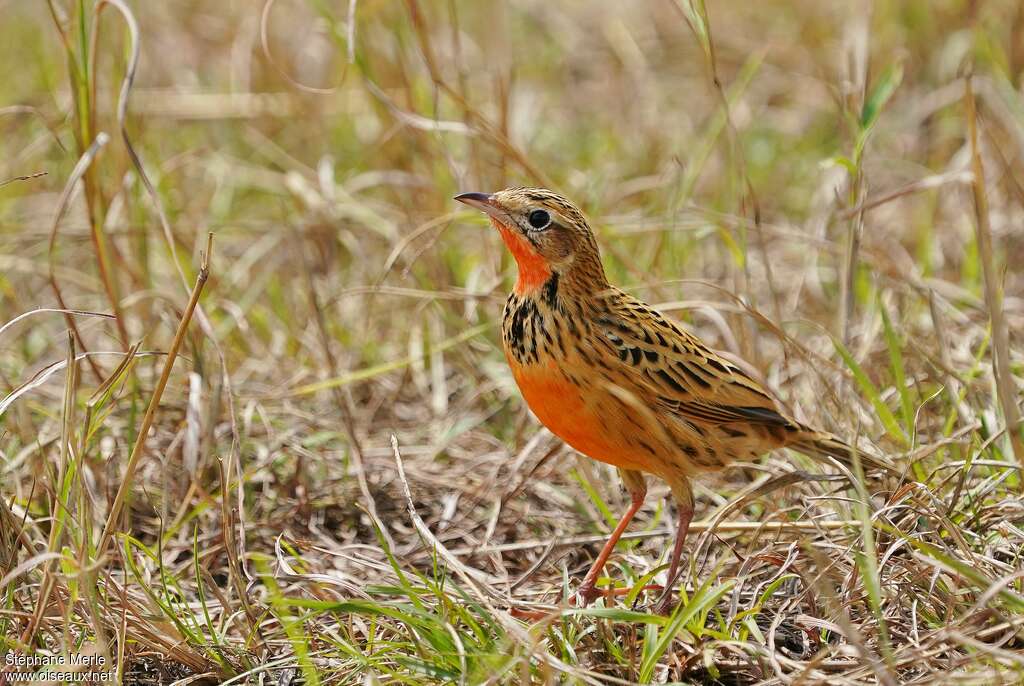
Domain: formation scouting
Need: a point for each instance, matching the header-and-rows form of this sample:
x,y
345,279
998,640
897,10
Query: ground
x,y
339,482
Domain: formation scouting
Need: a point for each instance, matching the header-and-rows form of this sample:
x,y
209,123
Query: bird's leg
x,y
684,501
637,487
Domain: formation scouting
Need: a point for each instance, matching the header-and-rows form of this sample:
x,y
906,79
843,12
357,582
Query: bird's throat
x,y
534,270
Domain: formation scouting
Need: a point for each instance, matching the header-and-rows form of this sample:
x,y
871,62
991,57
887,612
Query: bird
x,y
619,381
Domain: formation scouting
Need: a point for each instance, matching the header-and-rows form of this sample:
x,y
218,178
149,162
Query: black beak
x,y
481,201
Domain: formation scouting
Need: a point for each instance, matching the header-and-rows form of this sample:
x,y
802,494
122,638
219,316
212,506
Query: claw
x,y
585,596
665,605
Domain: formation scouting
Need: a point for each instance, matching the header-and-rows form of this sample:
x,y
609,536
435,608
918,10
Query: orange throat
x,y
533,268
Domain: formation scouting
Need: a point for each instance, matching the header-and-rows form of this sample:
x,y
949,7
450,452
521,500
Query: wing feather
x,y
674,370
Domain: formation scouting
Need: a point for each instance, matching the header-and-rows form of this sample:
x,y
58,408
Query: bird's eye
x,y
539,219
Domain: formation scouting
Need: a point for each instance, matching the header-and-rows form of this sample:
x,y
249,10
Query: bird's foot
x,y
665,604
586,594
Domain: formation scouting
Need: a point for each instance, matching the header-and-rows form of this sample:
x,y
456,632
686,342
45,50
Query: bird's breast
x,y
545,347
573,413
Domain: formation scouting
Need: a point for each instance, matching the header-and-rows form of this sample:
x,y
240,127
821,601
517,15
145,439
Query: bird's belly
x,y
564,408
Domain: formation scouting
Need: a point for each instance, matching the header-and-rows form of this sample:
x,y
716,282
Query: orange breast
x,y
561,406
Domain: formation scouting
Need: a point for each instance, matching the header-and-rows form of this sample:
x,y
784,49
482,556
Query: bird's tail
x,y
824,445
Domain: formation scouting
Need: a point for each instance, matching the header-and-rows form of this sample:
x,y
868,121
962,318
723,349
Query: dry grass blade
x,y
43,310
696,16
480,582
44,374
27,565
1005,385
62,206
27,177
57,528
715,525
265,45
154,402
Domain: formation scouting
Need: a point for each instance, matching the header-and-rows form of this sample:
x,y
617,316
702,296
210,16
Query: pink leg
x,y
634,482
684,500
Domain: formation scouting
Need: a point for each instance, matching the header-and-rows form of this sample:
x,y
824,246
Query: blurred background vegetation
x,y
797,182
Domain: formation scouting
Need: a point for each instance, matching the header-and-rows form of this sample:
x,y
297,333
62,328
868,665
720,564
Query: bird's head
x,y
546,234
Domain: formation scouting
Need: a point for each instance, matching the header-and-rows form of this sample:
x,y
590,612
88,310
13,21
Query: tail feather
x,y
823,445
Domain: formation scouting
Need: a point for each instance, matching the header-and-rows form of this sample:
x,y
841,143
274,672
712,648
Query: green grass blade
x,y
869,389
701,601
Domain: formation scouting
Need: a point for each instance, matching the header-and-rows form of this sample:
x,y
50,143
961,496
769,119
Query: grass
x,y
298,457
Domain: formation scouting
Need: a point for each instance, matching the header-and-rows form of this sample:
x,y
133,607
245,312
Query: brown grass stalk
x,y
154,401
56,530
62,207
993,290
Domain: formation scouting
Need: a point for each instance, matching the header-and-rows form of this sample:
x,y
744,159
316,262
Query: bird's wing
x,y
674,370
